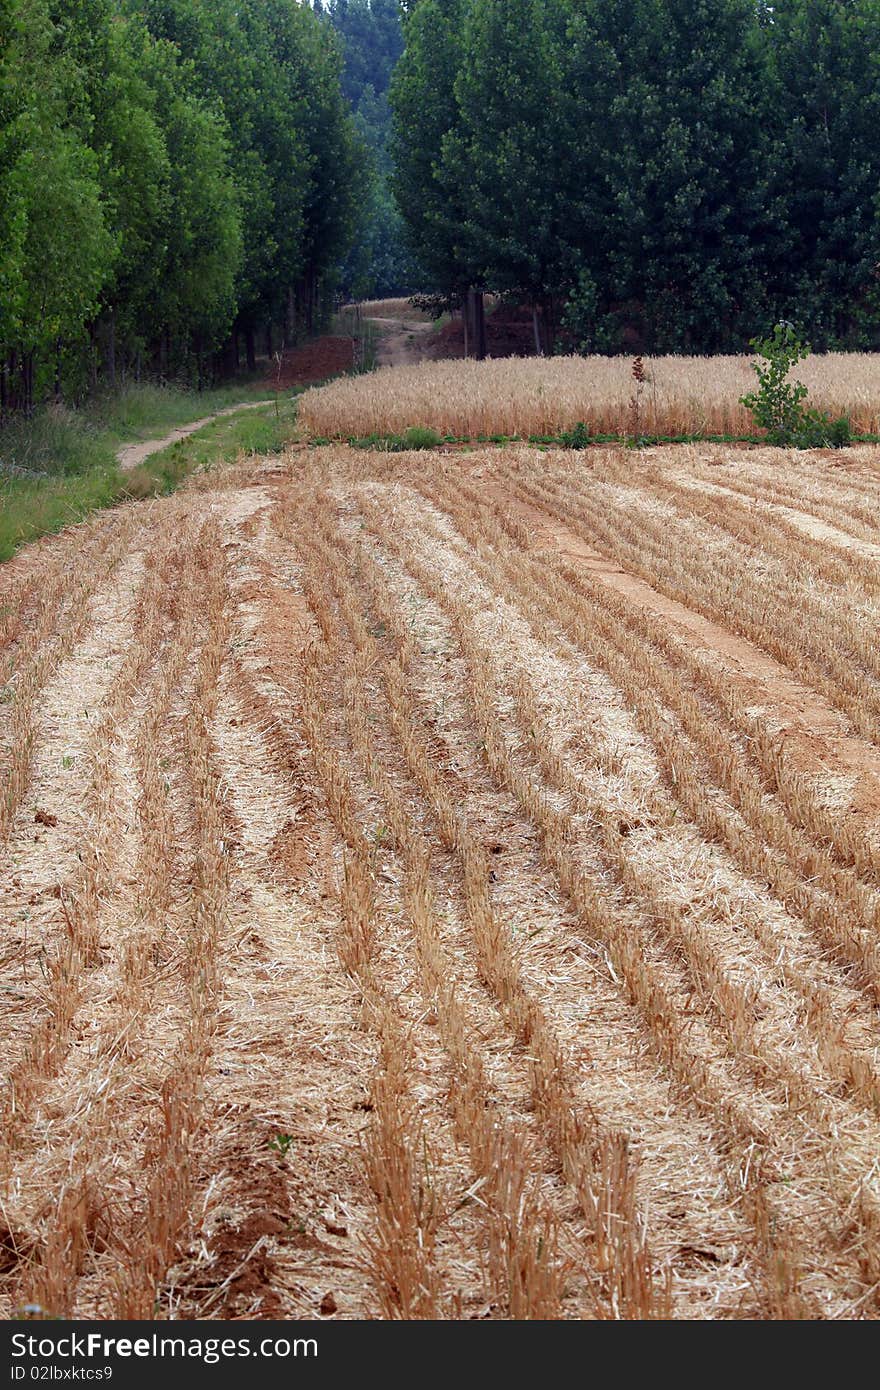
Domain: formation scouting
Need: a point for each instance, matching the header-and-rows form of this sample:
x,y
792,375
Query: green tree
x,y
199,231
425,114
674,165
505,160
64,248
826,61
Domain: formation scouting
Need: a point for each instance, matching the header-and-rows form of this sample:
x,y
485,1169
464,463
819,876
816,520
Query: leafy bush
x,y
778,404
817,430
577,438
418,437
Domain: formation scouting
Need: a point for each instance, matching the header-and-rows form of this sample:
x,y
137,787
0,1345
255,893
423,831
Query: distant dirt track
x,y
446,886
132,455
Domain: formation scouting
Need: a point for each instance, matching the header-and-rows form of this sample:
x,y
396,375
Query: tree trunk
x,y
479,323
232,357
58,372
549,315
27,375
11,396
537,331
93,360
111,352
250,347
311,296
290,327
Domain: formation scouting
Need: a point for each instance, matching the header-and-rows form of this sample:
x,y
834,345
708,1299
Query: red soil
x,y
312,361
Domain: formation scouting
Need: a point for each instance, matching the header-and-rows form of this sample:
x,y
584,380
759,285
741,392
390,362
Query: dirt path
x,y
132,455
402,341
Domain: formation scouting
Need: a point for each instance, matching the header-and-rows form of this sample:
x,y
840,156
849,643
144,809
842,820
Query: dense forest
x,y
174,176
183,182
663,175
380,262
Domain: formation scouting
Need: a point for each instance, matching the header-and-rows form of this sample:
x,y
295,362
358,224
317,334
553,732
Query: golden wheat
x,y
530,396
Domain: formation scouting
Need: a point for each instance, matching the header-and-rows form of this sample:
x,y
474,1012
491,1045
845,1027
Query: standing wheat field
x,y
545,396
447,888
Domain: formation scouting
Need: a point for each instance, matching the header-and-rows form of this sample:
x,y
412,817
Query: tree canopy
x,y
671,174
170,173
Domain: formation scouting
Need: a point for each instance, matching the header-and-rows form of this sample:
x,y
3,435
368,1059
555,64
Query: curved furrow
x,y
823,1002
850,1155
779,617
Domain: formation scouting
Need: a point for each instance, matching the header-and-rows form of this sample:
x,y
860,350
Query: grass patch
x,y
57,443
416,437
142,412
258,431
31,508
82,475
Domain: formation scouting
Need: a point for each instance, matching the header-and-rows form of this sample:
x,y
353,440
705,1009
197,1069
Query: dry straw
x,y
517,396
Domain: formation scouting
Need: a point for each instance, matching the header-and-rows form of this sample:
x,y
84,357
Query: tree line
x,y
666,175
174,177
379,264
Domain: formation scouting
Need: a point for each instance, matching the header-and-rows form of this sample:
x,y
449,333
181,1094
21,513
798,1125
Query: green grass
x,y
142,412
259,431
58,441
31,508
418,437
81,474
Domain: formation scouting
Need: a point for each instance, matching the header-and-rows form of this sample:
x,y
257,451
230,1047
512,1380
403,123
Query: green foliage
x,y
825,169
577,438
501,160
169,170
425,114
420,437
778,404
656,175
817,430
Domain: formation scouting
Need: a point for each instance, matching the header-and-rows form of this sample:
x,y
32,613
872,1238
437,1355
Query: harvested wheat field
x,y
546,395
447,887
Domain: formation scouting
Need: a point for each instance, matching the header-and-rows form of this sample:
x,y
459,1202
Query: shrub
x,y
578,438
418,437
778,404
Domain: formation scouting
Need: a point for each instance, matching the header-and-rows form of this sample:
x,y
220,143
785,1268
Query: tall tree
x,y
505,161
678,155
425,113
826,59
64,248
